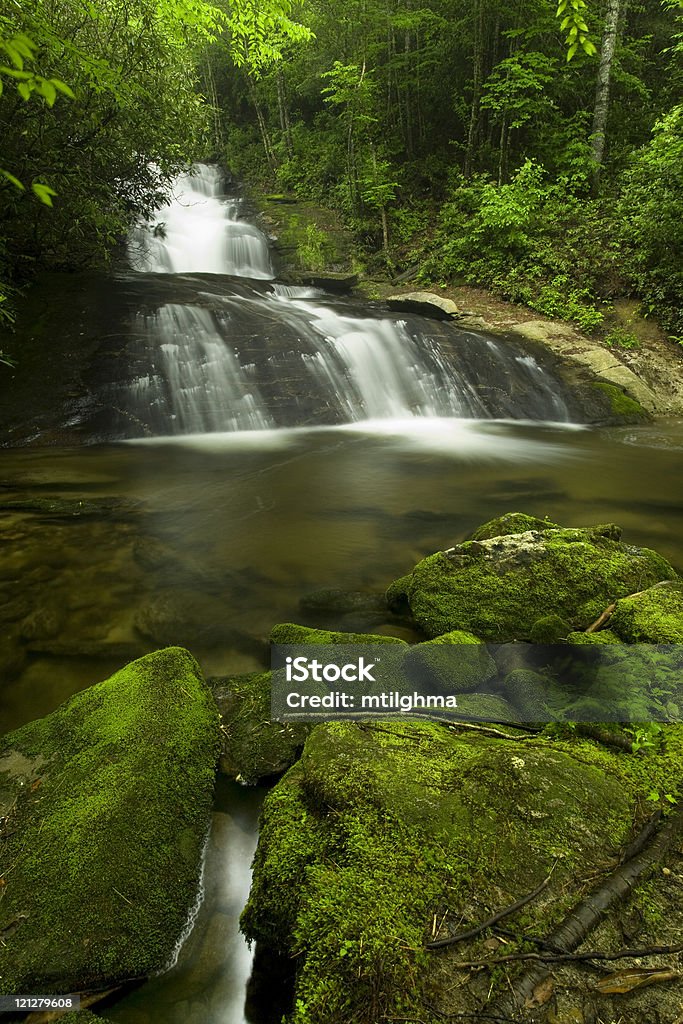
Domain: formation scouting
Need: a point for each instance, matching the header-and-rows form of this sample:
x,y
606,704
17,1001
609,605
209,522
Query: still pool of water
x,y
109,552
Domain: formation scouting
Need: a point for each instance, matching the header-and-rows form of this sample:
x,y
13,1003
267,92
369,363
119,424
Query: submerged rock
x,y
499,587
253,746
102,843
380,839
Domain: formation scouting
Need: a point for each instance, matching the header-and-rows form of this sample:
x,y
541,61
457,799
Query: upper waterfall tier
x,y
199,231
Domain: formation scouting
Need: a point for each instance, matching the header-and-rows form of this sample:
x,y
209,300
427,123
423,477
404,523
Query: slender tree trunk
x,y
263,125
477,79
218,137
601,109
284,112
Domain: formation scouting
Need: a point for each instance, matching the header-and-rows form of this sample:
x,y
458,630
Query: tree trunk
x,y
477,78
263,126
284,112
601,110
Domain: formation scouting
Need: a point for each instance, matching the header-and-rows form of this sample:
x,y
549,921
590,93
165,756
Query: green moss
x,y
254,746
498,588
604,636
510,522
81,1017
531,693
376,830
549,630
455,662
653,617
621,404
290,633
103,859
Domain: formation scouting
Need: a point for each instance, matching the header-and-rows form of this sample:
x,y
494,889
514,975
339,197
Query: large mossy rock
x,y
654,616
499,586
253,746
379,835
291,633
107,805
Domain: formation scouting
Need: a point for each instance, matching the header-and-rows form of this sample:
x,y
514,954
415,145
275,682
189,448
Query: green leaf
x,y
571,51
47,90
12,179
24,90
14,55
63,87
44,192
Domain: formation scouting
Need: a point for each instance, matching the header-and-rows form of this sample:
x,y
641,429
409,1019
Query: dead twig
x,y
505,912
602,619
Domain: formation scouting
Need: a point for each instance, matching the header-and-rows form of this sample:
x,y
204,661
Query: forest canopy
x,y
533,148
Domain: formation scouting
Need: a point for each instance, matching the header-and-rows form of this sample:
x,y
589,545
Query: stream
x,y
190,447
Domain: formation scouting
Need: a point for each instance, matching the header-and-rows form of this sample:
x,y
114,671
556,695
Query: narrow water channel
x,y
198,447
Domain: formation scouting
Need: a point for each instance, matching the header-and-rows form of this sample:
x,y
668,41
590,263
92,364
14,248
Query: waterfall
x,y
195,384
199,231
243,357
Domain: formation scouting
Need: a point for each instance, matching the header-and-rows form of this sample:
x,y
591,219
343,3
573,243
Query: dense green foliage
x,y
526,147
101,105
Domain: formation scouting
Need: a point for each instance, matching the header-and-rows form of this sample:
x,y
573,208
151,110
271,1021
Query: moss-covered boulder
x,y
102,841
455,662
498,588
604,636
551,629
510,522
291,633
654,616
380,839
253,746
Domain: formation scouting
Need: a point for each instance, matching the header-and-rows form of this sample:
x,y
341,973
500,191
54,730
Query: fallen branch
x,y
505,912
623,954
602,619
581,921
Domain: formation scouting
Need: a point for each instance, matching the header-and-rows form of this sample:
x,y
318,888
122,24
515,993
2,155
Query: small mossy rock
x,y
498,588
603,636
622,407
510,522
652,617
487,707
291,633
253,746
102,861
551,629
374,831
530,693
455,662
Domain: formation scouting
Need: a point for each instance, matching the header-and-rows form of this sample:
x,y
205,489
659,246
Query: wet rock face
x,y
499,586
253,746
110,803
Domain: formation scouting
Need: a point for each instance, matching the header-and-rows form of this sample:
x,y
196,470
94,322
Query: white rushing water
x,y
200,231
251,360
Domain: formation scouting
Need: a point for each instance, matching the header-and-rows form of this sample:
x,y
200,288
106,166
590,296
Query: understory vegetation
x,y
533,149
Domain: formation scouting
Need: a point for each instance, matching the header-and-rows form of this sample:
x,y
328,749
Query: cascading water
x,y
255,357
199,231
